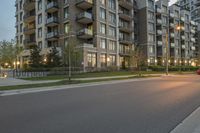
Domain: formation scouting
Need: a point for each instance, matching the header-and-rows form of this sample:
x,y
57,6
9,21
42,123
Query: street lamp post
x,y
167,52
178,28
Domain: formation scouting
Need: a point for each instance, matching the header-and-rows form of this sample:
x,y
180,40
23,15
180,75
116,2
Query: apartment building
x,y
162,30
103,29
147,29
194,7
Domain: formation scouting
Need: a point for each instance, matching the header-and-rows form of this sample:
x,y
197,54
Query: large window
x,y
103,60
151,49
102,43
151,38
164,8
39,18
66,12
112,45
150,15
151,27
103,2
39,5
151,4
66,28
164,20
91,57
102,13
102,28
112,31
112,17
112,60
111,4
39,32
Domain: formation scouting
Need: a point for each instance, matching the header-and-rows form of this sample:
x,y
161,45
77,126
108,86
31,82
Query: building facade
x,y
105,31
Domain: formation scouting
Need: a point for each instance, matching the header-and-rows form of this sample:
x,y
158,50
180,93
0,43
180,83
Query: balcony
x,y
183,37
84,4
159,32
159,43
171,25
126,41
158,11
29,17
52,7
172,35
29,30
193,48
127,29
126,4
193,23
159,21
29,4
125,16
87,45
183,46
84,18
193,31
52,21
182,19
172,45
52,36
193,39
85,33
197,3
171,15
29,42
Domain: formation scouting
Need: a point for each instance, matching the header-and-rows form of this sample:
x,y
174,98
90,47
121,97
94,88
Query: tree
x,y
53,58
35,57
7,52
72,53
138,58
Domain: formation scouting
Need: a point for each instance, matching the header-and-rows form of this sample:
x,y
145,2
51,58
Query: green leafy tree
x,y
7,52
35,57
53,58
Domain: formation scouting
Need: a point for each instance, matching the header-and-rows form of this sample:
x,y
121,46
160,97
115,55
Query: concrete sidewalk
x,y
190,125
116,77
13,82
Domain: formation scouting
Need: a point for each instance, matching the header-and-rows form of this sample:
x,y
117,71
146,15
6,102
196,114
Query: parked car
x,y
198,71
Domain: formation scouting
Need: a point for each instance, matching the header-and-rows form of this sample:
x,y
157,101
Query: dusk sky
x,y
7,16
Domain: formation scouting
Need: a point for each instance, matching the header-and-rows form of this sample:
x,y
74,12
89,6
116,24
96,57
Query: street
x,y
151,106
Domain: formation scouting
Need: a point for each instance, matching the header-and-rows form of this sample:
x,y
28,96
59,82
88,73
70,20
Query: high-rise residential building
x,y
105,31
162,29
147,29
194,7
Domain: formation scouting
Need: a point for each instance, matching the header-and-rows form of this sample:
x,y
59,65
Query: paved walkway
x,y
115,77
13,82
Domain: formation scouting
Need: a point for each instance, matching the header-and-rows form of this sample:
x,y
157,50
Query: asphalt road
x,y
152,106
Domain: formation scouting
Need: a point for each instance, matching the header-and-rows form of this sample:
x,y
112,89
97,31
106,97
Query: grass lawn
x,y
89,75
64,82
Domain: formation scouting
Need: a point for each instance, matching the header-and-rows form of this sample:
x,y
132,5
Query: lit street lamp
x,y
179,28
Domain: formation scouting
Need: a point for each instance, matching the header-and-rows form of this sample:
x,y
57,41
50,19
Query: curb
x,y
190,125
